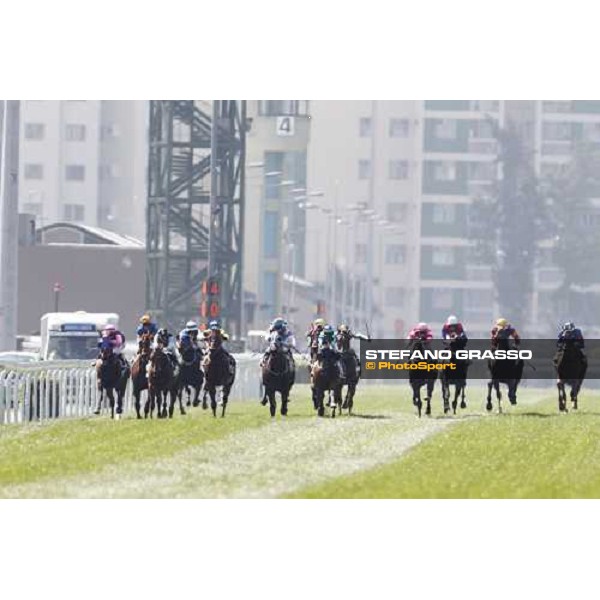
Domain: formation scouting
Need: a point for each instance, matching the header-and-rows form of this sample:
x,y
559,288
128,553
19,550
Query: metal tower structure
x,y
195,211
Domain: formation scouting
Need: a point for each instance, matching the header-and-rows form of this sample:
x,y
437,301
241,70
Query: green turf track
x,y
529,453
383,452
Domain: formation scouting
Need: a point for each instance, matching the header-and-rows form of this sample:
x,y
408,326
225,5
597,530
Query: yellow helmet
x,y
501,323
145,319
343,327
319,322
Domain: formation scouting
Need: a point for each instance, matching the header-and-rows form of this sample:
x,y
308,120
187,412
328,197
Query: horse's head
x,y
106,350
145,343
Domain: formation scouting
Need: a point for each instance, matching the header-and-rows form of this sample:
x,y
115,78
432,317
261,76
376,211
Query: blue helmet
x,y
191,326
279,324
328,328
213,325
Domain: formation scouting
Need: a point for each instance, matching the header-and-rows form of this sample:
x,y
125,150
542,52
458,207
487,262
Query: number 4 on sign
x,y
286,126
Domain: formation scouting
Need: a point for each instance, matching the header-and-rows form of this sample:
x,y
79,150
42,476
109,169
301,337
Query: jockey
x,y
214,336
453,330
167,341
146,326
189,335
343,331
327,339
571,333
116,340
422,331
312,336
503,330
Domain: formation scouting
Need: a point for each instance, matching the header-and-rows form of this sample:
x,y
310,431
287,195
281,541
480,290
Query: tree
x,y
508,224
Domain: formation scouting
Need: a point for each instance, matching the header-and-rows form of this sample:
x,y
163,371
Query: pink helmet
x,y
109,327
422,326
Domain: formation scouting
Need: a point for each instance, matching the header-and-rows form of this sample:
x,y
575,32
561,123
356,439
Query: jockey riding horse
x,y
112,374
277,375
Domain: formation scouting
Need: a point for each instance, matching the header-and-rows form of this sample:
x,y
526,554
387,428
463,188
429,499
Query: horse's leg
x,y
270,395
225,398
560,385
446,396
488,405
350,396
213,400
110,393
417,398
512,391
463,403
574,392
137,393
499,396
285,394
429,387
98,409
179,398
320,394
455,400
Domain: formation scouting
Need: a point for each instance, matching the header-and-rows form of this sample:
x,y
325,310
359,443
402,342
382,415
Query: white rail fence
x,y
59,390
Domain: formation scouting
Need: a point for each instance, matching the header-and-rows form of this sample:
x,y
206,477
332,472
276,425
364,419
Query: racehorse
x,y
571,365
278,375
508,371
325,377
219,372
138,371
163,385
190,373
456,377
352,371
111,377
419,378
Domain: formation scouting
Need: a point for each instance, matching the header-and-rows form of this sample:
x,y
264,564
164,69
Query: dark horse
x,y
571,365
351,365
278,375
456,377
419,378
138,371
325,377
163,385
219,372
111,378
508,371
191,376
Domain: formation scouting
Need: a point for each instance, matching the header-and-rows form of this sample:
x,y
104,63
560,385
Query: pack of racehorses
x,y
165,378
207,376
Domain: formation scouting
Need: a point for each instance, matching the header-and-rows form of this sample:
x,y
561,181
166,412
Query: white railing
x,y
59,390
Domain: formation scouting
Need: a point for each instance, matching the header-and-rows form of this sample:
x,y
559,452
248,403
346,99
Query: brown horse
x,y
219,372
163,385
111,377
325,377
138,371
278,374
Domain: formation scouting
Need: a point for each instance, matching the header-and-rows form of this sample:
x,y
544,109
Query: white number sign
x,y
285,125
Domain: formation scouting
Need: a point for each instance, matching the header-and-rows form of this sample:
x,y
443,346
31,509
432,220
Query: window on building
x,y
75,172
444,213
271,234
395,254
482,129
442,299
272,108
74,132
445,129
34,171
398,128
559,106
74,212
478,299
484,105
365,126
269,291
591,132
394,296
34,131
557,131
364,169
396,212
398,169
443,256
444,170
360,254
483,171
273,174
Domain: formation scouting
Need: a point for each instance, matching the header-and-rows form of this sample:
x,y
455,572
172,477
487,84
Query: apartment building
x,y
83,161
275,220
